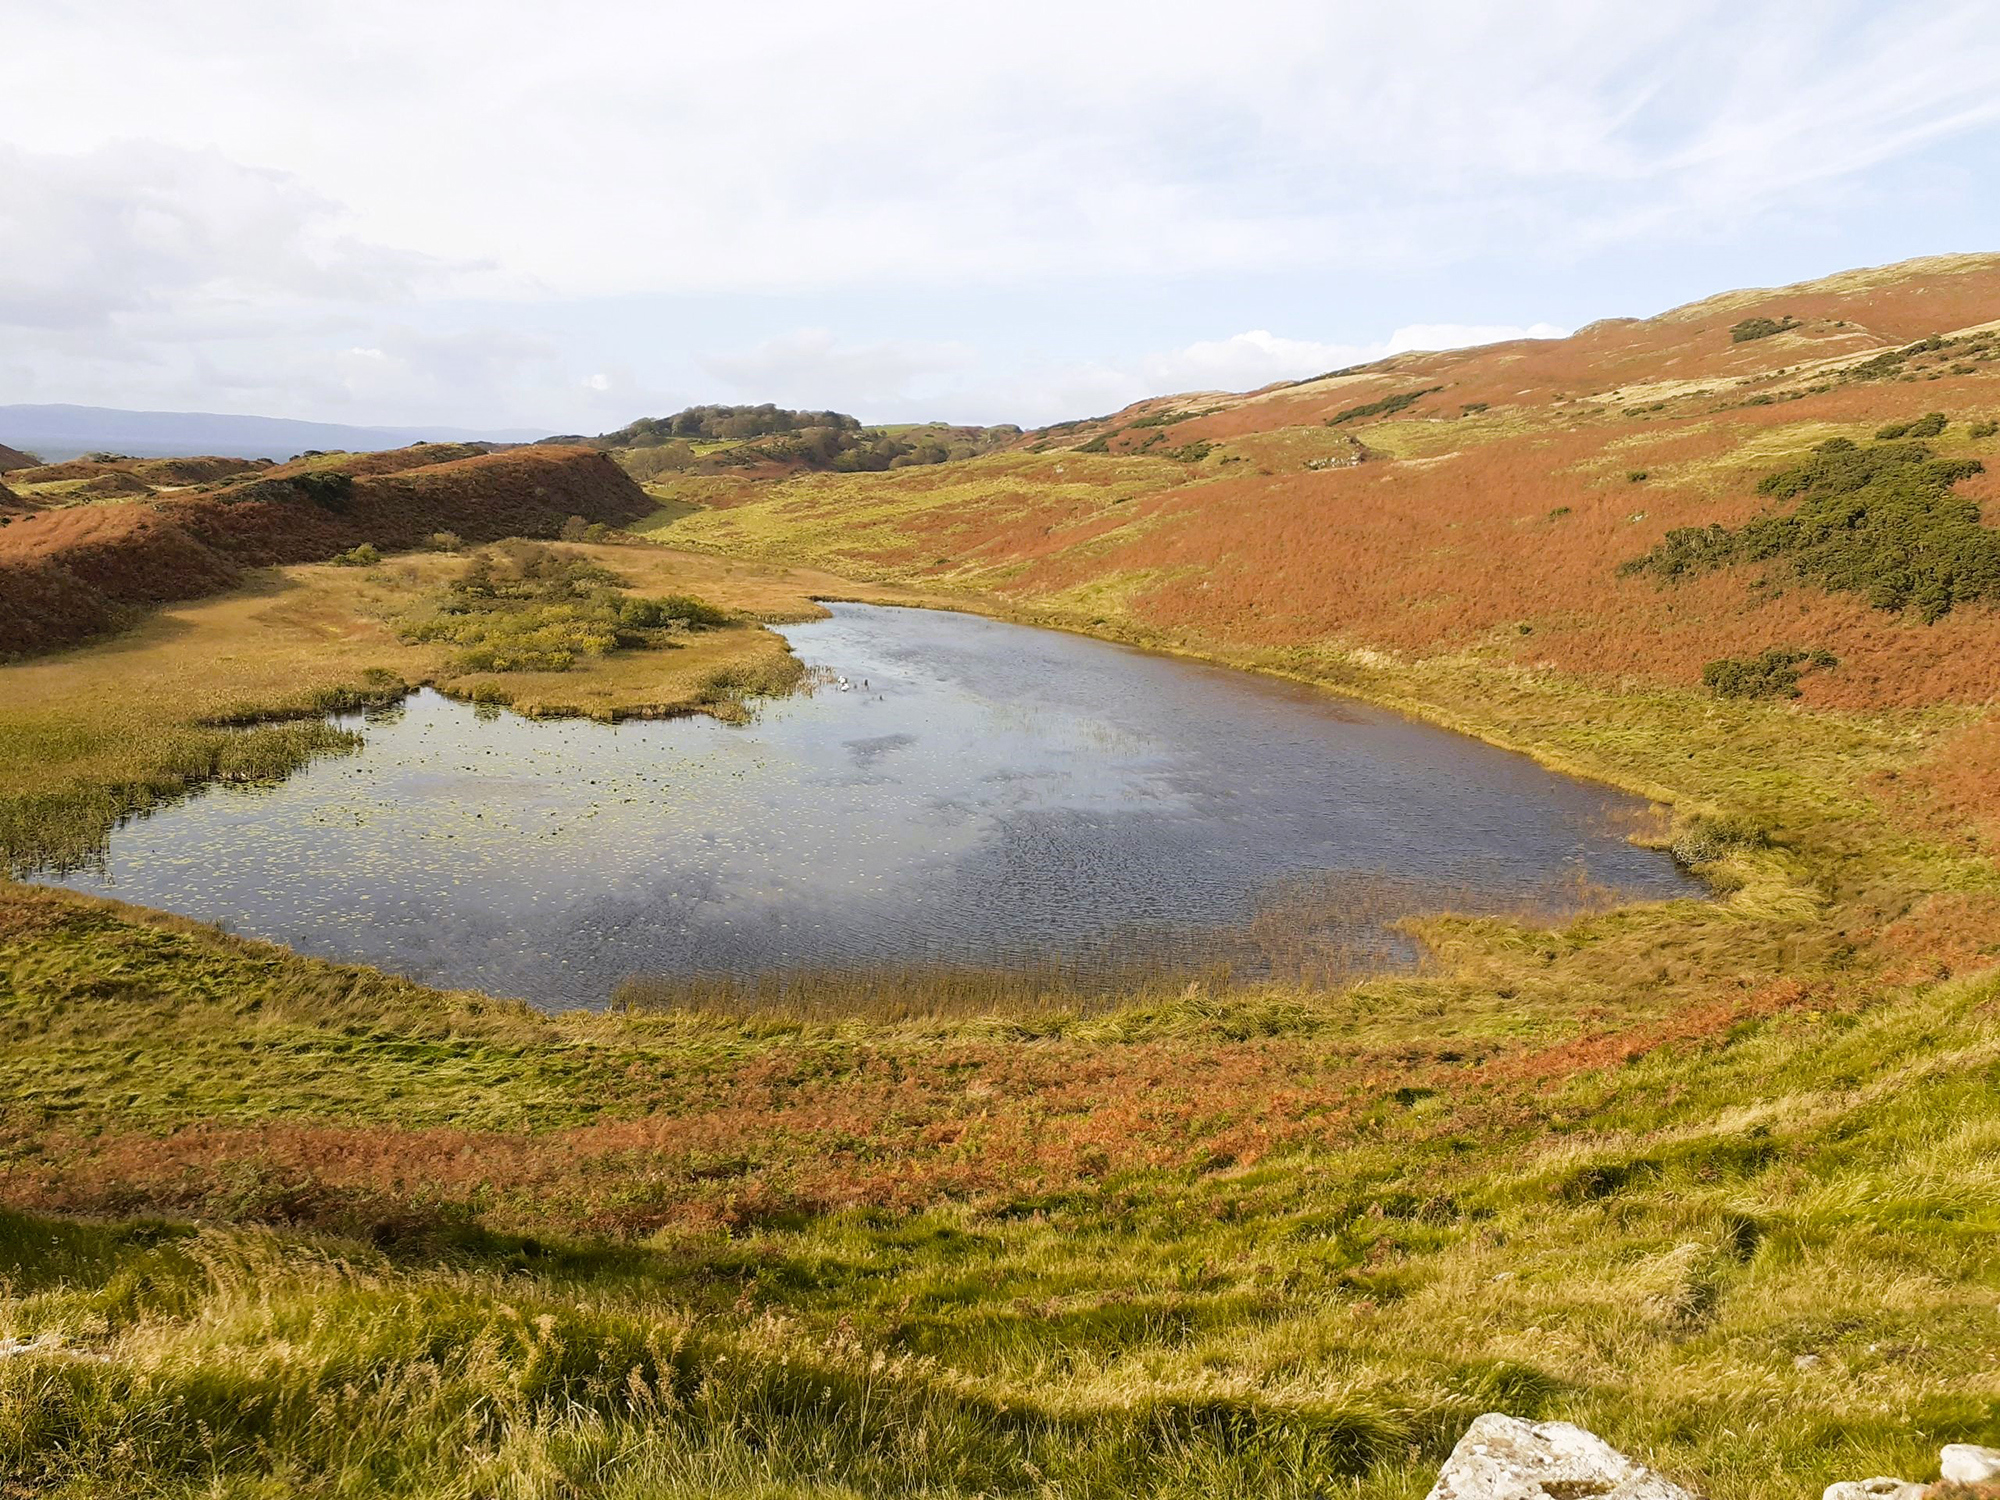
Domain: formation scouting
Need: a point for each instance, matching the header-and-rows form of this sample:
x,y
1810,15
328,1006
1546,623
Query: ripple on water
x,y
996,794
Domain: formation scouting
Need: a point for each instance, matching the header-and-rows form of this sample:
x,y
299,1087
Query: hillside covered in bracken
x,y
83,543
1708,1168
1488,500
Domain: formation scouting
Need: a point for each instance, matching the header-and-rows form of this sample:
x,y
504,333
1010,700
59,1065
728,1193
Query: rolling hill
x,y
1714,1177
1478,501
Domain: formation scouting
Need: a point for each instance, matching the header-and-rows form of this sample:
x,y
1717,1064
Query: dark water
x,y
995,794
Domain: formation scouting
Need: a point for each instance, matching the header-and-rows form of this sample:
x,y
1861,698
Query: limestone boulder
x,y
1968,1463
1505,1458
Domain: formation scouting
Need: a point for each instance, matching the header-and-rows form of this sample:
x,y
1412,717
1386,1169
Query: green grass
x,y
292,1228
1645,1246
236,689
526,608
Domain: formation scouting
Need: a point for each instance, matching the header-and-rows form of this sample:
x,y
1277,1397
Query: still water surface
x,y
994,794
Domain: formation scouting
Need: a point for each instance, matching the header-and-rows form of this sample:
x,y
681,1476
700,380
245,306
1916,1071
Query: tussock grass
x,y
291,1227
1646,1246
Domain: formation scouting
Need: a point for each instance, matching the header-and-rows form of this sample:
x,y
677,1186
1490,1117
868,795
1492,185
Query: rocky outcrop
x,y
1968,1463
1960,1466
1882,1488
1504,1458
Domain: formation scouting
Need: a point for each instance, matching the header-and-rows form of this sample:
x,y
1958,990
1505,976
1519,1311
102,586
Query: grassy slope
x,y
1249,1243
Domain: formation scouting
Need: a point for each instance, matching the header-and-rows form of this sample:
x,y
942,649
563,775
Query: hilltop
x,y
768,442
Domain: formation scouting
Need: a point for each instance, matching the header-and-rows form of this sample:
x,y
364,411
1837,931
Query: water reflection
x,y
992,795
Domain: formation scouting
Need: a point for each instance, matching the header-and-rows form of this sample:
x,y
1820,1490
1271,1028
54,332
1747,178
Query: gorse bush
x,y
1881,521
1926,426
1169,418
363,556
668,611
1759,328
1388,406
330,488
526,608
1770,674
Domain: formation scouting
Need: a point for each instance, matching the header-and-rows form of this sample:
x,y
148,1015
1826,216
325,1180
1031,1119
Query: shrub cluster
x,y
527,608
1770,674
1928,425
330,488
577,529
1388,406
808,439
1759,328
1169,418
1881,521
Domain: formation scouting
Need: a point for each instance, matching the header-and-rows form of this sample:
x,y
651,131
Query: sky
x,y
517,215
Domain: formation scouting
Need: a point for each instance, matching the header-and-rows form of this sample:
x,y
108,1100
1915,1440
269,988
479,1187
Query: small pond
x,y
982,794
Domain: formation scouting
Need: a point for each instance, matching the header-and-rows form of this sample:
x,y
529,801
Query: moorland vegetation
x,y
713,439
1715,1178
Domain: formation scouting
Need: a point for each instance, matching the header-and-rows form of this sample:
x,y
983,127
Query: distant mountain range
x,y
60,432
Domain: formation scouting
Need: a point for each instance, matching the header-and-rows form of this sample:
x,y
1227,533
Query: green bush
x,y
528,608
1770,674
670,610
1637,476
1759,328
328,488
1388,406
1881,521
1929,425
363,556
1980,431
1169,418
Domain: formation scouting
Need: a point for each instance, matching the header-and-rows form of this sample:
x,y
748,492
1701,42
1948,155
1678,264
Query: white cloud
x,y
633,149
801,368
245,191
143,229
1242,362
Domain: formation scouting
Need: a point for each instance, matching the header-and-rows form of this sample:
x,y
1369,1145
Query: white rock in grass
x,y
1968,1463
1504,1458
47,1344
1882,1488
